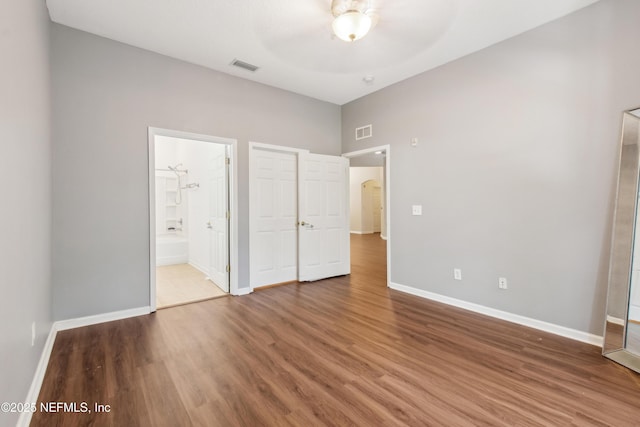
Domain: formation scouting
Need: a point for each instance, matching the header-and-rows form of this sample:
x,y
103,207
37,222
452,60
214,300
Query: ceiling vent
x,y
244,65
364,132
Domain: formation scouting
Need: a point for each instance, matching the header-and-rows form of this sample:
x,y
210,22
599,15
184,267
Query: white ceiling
x,y
292,43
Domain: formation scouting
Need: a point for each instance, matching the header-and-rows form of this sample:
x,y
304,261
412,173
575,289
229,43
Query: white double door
x,y
299,217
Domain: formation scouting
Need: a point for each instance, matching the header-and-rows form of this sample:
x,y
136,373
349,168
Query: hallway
x,y
368,261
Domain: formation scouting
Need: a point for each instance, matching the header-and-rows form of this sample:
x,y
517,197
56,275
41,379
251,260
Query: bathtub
x,y
171,249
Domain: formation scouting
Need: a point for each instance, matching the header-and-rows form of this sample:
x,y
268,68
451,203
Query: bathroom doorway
x,y
191,228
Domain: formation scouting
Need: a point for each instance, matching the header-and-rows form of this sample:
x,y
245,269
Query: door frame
x,y
233,203
387,193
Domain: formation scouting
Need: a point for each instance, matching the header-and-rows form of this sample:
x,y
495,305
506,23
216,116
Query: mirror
x,y
622,324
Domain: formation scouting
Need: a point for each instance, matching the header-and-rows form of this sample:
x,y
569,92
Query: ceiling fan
x,y
353,19
302,33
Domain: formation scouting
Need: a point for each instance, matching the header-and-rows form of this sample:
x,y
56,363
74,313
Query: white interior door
x,y
323,210
218,223
273,216
376,201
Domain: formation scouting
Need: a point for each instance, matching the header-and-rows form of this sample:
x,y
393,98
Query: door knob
x,y
209,224
306,224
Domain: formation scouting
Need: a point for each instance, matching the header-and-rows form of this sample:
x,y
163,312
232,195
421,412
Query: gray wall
x,y
516,166
105,95
25,251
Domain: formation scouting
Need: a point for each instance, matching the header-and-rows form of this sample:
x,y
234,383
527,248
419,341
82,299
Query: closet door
x,y
323,204
273,217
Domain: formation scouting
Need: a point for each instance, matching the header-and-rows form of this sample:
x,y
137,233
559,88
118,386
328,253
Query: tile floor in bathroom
x,y
182,284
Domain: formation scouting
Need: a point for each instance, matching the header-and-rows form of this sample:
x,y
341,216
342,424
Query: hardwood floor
x,y
343,351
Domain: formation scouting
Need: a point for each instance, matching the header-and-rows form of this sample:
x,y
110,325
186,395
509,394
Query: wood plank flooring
x,y
344,351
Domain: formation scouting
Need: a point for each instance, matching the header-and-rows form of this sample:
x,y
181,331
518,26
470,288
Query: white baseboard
x,y
243,291
38,377
383,237
171,260
199,267
356,232
615,320
62,325
503,315
101,318
634,313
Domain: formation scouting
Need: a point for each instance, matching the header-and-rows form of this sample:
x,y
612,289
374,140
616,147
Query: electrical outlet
x,y
416,210
33,333
502,283
457,274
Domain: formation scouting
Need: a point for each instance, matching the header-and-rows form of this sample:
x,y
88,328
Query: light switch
x,y
416,210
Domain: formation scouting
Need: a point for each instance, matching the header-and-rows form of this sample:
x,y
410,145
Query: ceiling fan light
x,y
351,25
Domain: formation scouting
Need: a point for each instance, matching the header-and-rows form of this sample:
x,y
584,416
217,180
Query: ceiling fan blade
x,y
398,36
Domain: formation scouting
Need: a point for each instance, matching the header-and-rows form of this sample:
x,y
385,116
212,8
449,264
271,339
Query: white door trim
x,y
387,194
270,147
233,204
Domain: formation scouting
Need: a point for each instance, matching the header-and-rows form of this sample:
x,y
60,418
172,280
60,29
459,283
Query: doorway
x,y
371,201
192,221
369,178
